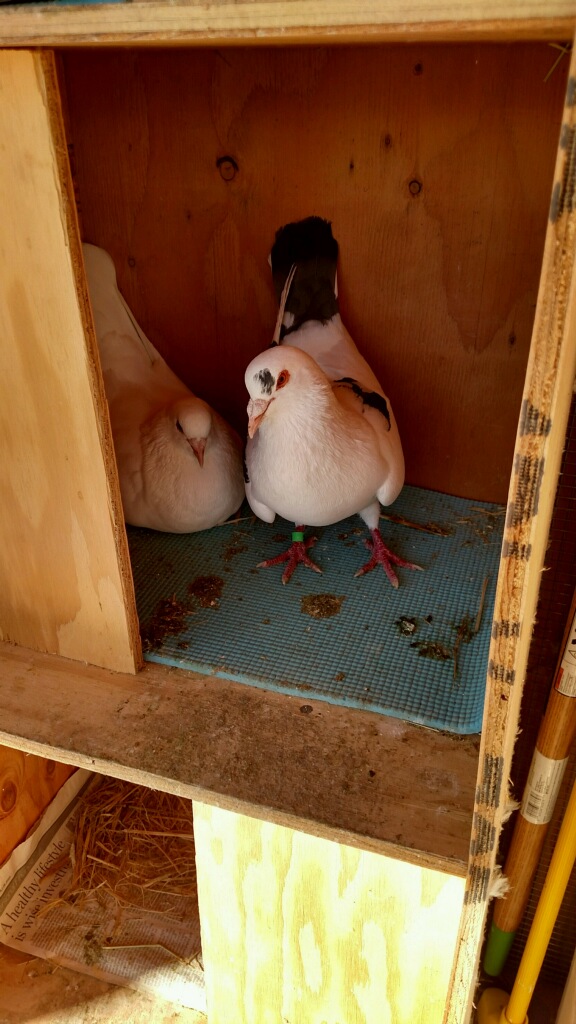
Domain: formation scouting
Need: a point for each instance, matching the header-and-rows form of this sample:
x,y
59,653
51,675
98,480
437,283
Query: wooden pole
x,y
494,1007
547,911
549,761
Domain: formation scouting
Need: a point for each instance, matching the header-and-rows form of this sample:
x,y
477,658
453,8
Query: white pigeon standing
x,y
179,462
322,439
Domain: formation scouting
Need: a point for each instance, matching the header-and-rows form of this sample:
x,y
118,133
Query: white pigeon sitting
x,y
323,443
179,463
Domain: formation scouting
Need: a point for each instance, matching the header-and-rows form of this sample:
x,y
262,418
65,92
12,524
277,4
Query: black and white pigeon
x,y
322,439
179,462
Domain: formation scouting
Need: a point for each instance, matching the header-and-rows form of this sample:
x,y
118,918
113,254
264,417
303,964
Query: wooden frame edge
x,y
539,444
270,22
250,750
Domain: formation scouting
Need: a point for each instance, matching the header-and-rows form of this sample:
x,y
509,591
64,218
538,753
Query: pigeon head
x,y
192,419
281,376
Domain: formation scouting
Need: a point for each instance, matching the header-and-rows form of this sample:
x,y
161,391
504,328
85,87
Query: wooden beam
x,y
295,927
65,581
539,446
360,778
284,21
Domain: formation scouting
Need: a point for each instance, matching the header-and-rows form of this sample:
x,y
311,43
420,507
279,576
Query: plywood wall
x,y
435,165
297,928
65,586
27,785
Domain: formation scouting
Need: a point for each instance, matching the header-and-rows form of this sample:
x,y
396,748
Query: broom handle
x,y
557,878
549,760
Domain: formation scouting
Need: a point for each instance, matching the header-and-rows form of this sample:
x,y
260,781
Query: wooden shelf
x,y
368,781
279,21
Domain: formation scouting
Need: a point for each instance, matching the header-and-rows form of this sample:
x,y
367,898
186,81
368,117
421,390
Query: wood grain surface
x,y
285,21
295,928
362,778
435,166
27,785
65,586
540,442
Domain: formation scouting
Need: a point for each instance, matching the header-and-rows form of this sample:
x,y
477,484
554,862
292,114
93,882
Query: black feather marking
x,y
310,245
246,476
267,381
371,398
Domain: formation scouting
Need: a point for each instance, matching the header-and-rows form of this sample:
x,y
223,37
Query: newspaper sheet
x,y
148,951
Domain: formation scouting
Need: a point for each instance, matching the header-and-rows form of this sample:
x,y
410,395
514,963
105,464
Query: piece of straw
x,y
130,842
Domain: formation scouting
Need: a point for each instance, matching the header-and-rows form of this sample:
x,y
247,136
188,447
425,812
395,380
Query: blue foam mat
x,y
379,649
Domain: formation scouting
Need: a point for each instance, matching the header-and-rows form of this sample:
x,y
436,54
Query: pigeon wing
x,y
126,353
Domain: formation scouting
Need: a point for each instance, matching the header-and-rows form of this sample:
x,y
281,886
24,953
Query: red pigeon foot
x,y
295,554
381,555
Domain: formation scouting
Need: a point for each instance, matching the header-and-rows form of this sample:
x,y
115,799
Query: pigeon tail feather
x,y
311,247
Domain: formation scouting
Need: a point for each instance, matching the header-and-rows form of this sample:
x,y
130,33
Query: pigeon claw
x,y
295,555
382,555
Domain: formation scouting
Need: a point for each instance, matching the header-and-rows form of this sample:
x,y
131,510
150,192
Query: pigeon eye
x,y
179,426
283,378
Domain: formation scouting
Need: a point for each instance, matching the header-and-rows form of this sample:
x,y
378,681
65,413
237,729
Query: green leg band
x,y
297,537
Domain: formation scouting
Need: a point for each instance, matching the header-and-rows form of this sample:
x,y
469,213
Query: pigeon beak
x,y
256,409
198,444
